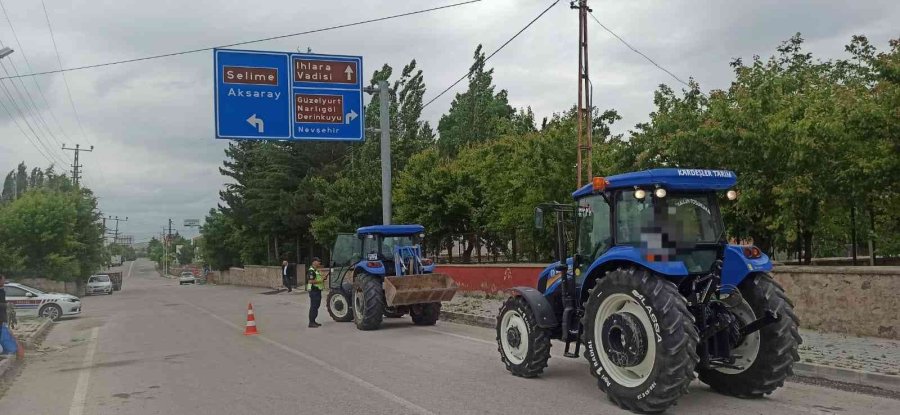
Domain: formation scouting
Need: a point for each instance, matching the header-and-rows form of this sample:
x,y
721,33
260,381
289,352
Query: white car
x,y
99,284
33,302
187,277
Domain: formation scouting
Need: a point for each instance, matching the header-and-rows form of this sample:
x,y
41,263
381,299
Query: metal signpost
x,y
288,96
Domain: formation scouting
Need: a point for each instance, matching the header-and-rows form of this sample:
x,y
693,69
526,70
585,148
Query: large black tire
x,y
368,302
641,317
425,314
338,305
778,343
526,363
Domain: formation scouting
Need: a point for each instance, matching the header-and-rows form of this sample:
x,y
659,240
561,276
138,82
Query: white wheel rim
x,y
749,347
358,304
512,319
339,305
626,376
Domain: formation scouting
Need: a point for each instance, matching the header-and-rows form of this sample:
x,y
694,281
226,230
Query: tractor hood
x,y
670,179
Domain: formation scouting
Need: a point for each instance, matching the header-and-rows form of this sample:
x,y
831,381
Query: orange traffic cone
x,y
251,322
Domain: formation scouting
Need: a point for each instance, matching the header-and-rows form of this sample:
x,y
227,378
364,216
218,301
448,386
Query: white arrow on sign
x,y
349,72
256,122
351,116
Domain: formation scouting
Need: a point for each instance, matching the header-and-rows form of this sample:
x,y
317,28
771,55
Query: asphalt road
x,y
159,348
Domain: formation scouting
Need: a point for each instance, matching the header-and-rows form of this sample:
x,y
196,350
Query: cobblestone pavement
x,y
867,354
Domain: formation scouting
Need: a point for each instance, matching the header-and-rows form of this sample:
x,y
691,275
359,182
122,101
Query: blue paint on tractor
x,y
670,179
391,230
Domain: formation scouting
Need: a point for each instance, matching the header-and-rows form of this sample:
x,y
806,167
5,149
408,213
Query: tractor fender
x,y
364,266
543,312
736,266
634,255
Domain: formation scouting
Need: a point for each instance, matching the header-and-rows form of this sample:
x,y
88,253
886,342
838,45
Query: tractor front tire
x,y
368,302
338,304
773,348
425,314
640,340
524,347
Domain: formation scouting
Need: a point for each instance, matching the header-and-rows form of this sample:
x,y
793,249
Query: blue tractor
x,y
380,271
654,293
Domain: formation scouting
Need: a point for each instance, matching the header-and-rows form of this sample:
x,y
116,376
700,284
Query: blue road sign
x,y
288,96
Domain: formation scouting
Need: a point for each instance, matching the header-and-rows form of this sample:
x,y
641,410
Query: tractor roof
x,y
670,179
391,230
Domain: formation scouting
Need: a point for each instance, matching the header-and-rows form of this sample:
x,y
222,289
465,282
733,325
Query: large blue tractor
x,y
380,271
655,294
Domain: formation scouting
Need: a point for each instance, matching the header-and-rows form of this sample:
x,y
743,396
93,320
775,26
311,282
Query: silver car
x,y
99,284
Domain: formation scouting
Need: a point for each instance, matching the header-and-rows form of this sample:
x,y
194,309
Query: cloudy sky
x,y
151,122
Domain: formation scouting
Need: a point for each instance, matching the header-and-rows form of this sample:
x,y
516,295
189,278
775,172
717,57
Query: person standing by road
x,y
315,284
285,276
8,343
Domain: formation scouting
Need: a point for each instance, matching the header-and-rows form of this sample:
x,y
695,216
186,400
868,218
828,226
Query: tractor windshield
x,y
391,242
681,226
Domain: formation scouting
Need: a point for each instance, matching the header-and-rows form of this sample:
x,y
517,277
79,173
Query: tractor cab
x,y
394,248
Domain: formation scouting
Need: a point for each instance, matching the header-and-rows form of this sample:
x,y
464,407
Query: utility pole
x,y
384,98
116,232
168,237
76,168
584,107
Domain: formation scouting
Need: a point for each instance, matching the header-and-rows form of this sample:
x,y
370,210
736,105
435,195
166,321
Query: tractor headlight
x,y
640,194
732,195
660,193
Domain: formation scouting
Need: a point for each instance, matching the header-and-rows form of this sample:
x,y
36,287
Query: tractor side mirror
x,y
538,218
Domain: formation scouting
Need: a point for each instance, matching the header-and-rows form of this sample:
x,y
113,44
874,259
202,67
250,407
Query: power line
x,y
185,52
65,81
27,98
33,79
633,49
508,41
18,110
22,130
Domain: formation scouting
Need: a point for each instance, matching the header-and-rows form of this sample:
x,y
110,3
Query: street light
x,y
6,51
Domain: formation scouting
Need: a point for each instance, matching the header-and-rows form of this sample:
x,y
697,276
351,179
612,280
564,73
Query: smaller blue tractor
x,y
380,271
654,293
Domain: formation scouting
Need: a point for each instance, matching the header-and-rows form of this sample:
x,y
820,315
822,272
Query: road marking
x,y
84,376
458,335
346,375
130,267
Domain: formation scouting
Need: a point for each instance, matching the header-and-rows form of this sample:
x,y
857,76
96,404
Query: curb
x,y
35,338
856,377
469,319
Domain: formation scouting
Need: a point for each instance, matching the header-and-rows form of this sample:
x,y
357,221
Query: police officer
x,y
315,283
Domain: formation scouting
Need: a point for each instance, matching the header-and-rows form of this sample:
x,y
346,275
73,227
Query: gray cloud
x,y
152,121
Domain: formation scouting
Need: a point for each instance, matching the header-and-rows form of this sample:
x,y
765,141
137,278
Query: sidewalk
x,y
844,357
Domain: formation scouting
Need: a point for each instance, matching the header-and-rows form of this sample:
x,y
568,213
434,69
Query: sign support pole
x,y
385,107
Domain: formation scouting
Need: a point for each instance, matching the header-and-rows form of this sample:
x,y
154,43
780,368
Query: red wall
x,y
492,278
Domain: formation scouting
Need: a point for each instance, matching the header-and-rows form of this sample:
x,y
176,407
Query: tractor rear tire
x,y
338,304
640,340
368,302
777,344
425,314
524,347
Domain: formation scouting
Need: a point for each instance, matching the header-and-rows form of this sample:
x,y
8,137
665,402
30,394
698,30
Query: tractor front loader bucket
x,y
418,289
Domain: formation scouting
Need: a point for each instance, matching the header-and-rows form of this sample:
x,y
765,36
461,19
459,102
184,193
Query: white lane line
x,y
84,376
458,335
390,396
130,267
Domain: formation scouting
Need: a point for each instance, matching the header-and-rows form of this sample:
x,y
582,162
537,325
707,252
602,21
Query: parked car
x,y
32,302
187,277
99,284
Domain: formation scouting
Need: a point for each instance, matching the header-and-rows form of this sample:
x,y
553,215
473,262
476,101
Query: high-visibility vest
x,y
314,279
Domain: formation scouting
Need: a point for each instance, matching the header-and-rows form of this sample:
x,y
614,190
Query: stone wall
x,y
856,300
252,276
52,286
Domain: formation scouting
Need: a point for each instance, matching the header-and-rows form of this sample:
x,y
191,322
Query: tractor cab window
x,y
392,242
594,236
679,227
345,250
